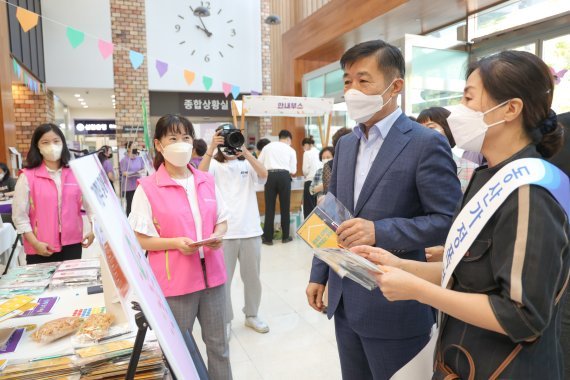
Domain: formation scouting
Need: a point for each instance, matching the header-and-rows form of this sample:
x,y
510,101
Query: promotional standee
x,y
131,260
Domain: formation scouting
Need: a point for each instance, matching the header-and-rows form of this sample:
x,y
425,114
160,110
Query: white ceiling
x,y
94,98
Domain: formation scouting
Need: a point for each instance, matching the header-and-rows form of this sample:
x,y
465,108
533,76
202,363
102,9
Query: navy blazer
x,y
410,194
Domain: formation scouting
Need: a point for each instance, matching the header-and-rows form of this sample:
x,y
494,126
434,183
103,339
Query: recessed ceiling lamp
x,y
85,106
273,20
77,95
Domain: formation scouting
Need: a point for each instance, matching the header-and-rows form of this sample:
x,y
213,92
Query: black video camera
x,y
233,139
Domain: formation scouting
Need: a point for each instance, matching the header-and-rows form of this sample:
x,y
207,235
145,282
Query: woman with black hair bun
x,y
47,201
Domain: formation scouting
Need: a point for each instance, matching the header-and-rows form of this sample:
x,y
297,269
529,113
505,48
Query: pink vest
x,y
176,273
44,215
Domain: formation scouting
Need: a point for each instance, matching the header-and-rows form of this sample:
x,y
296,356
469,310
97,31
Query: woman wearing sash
x,y
500,310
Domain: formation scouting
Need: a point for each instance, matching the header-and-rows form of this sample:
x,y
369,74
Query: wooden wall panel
x,y
7,126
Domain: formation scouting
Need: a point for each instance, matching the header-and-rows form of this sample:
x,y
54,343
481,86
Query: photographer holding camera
x,y
236,172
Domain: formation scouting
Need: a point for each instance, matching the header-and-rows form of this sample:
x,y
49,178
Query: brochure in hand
x,y
319,232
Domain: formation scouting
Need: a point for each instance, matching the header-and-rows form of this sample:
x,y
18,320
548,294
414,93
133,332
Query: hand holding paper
x,y
355,232
399,285
378,256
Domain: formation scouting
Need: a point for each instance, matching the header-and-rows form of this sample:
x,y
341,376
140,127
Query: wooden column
x,y
7,126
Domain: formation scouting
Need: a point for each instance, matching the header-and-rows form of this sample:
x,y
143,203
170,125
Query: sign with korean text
x,y
197,104
95,127
290,106
102,200
477,212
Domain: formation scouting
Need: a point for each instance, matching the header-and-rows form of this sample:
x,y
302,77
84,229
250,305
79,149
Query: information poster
x,y
98,193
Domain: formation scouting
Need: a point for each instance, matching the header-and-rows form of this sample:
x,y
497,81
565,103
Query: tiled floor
x,y
301,344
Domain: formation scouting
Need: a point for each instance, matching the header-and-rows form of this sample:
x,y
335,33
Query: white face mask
x,y
362,107
52,152
178,154
325,160
468,126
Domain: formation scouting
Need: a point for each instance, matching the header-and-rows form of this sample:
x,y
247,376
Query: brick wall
x,y
30,110
265,122
128,24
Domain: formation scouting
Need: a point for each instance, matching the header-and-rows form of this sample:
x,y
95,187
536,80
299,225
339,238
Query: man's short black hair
x,y
390,59
285,134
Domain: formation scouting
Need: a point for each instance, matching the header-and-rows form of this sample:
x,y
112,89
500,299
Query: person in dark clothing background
x,y
7,183
280,160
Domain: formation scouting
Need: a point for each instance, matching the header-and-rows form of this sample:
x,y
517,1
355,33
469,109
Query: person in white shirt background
x,y
311,163
280,160
236,176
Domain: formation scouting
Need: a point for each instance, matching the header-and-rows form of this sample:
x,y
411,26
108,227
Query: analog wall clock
x,y
206,30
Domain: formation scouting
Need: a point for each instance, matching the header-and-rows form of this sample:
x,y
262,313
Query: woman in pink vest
x,y
171,210
47,201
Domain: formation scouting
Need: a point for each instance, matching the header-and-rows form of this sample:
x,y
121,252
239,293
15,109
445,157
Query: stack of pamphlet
x,y
319,232
85,272
29,279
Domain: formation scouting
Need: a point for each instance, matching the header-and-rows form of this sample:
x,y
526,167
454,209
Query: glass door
x,y
435,72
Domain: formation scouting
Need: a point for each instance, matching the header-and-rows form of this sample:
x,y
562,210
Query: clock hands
x,y
203,28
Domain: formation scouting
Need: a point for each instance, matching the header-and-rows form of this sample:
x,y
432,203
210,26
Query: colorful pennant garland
x,y
75,37
105,48
29,20
21,73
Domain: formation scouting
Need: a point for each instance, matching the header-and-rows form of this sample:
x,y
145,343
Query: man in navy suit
x,y
399,181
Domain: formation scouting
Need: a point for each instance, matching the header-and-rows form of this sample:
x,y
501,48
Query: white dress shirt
x,y
311,163
369,148
279,156
141,220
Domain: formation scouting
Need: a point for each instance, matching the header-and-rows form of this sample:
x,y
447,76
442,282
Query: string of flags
x,y
29,20
22,74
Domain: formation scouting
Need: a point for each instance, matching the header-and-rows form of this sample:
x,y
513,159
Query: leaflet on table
x,y
319,229
44,306
81,273
12,342
350,265
80,264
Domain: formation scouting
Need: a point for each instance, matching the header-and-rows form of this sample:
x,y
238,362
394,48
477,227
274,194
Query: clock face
x,y
203,23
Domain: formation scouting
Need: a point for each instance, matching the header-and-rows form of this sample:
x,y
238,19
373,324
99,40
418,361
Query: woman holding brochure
x,y
506,258
179,218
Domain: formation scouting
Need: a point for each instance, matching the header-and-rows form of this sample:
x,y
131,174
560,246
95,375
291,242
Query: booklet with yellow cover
x,y
319,232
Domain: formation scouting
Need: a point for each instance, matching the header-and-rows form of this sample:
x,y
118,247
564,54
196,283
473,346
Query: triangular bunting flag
x,y
136,58
105,48
207,82
227,88
26,18
161,67
189,76
235,92
75,37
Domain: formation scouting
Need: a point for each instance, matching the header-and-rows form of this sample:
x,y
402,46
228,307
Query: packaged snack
x,y
96,326
56,329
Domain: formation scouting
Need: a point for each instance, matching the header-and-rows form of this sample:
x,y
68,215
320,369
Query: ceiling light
x,y
85,106
80,99
113,96
77,95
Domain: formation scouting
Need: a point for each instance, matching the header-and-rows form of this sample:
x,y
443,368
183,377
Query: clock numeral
x,y
181,17
207,58
233,33
220,11
230,45
221,55
230,21
192,9
207,4
193,51
177,27
181,42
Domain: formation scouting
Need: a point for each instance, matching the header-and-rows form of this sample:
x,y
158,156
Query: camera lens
x,y
235,139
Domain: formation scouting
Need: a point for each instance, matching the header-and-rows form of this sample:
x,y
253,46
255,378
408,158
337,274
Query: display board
x,y
102,200
290,106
